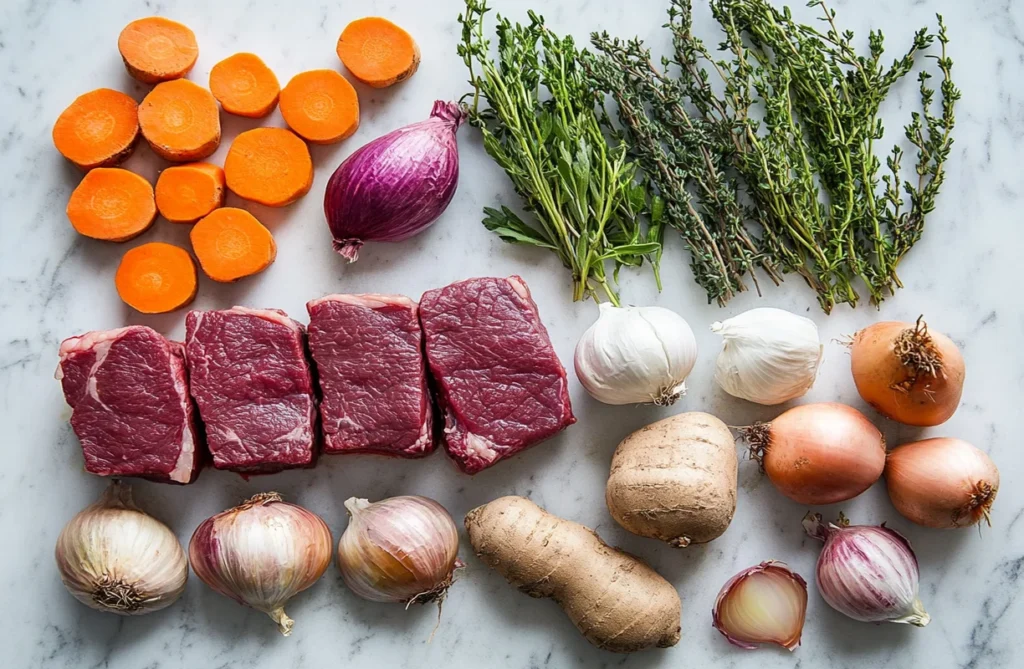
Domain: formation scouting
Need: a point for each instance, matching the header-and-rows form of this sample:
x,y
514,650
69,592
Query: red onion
x,y
867,572
397,185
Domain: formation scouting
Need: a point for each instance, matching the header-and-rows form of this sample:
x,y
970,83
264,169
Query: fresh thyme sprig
x,y
588,207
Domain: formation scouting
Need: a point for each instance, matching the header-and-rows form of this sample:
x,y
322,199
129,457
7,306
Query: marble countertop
x,y
963,275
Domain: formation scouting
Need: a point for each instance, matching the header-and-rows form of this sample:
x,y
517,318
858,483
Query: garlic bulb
x,y
636,355
769,356
262,553
114,557
766,603
401,549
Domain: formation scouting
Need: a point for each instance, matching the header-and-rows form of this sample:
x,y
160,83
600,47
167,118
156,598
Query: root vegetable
x,y
320,106
156,49
156,278
245,86
181,121
186,193
232,244
377,52
271,166
819,453
112,204
907,372
615,600
675,480
941,482
98,129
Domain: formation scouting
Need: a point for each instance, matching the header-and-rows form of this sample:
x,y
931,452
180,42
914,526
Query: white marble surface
x,y
964,275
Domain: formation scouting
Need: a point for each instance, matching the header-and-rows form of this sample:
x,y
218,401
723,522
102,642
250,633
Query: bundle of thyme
x,y
588,206
809,167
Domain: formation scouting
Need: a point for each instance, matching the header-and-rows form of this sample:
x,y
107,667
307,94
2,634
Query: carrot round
x,y
156,278
231,244
271,166
244,85
320,106
180,120
377,52
98,129
112,204
186,193
156,49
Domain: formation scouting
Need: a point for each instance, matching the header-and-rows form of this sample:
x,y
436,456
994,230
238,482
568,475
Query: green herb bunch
x,y
542,125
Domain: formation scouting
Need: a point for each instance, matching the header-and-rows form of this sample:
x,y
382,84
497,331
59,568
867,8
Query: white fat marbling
x,y
965,275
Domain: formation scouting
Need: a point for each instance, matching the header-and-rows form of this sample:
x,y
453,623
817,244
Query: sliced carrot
x,y
320,106
180,120
186,193
377,52
156,278
112,204
156,49
98,129
271,166
231,244
244,85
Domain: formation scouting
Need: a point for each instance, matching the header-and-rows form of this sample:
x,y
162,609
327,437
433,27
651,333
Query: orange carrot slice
x,y
271,166
320,106
231,244
112,204
180,120
98,129
244,85
156,49
156,278
186,193
377,52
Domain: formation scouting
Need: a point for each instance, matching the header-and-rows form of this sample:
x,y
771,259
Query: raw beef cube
x,y
499,382
130,407
368,351
251,380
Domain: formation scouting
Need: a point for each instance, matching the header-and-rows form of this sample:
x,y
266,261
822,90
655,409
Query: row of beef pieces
x,y
498,384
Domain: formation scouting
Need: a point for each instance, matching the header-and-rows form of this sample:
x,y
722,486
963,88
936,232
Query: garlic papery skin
x,y
766,603
636,355
769,356
401,549
867,572
262,553
114,557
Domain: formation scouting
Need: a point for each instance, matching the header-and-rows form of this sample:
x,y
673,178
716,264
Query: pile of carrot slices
x,y
180,120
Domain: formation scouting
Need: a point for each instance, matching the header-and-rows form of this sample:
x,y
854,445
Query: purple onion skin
x,y
397,185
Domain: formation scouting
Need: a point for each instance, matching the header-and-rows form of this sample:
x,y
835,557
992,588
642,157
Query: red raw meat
x,y
250,378
131,410
368,351
499,381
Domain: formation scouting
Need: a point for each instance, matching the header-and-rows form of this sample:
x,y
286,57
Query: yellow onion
x,y
402,549
114,557
766,603
262,553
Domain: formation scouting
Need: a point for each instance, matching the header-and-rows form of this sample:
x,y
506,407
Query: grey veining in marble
x,y
965,276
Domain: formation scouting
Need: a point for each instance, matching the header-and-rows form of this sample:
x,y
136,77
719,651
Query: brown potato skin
x,y
615,600
930,401
675,480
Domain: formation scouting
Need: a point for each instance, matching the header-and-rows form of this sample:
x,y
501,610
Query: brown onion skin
x,y
943,482
879,374
822,453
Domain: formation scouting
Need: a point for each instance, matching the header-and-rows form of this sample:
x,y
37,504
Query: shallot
x,y
819,453
941,482
766,603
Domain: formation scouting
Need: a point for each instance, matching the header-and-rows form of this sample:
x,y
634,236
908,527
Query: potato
x,y
617,601
675,480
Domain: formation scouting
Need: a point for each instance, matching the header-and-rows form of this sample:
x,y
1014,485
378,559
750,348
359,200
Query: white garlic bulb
x,y
769,356
114,557
636,355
